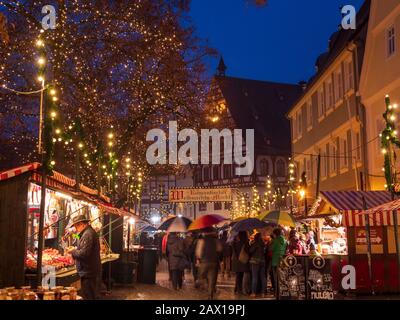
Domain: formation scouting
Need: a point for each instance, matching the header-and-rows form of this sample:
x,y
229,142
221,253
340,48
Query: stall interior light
x,y
131,221
64,196
85,203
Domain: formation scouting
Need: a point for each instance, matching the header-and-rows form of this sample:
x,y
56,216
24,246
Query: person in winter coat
x,y
177,259
190,250
208,252
257,264
278,251
294,246
87,257
226,265
240,248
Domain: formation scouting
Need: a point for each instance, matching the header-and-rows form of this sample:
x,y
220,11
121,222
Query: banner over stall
x,y
200,195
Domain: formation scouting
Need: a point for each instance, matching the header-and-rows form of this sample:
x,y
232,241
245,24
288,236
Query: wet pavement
x,y
163,290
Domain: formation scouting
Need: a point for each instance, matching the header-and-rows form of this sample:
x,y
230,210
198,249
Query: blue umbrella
x,y
248,225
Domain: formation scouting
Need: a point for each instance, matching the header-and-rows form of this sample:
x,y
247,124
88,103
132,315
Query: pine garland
x,y
388,140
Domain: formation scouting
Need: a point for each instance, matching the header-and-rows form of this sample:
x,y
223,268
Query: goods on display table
x,y
20,195
41,293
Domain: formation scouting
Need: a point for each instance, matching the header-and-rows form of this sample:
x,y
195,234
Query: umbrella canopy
x,y
166,224
149,229
278,217
206,221
248,225
178,225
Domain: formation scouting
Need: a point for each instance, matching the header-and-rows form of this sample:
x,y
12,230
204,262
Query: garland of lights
x,y
388,140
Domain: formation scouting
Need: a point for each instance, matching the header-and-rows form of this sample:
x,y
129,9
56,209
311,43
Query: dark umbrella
x,y
166,224
248,224
149,229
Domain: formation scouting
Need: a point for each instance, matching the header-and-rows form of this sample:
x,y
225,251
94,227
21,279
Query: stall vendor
x,y
87,257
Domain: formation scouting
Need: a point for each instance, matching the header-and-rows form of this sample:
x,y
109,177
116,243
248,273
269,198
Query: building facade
x,y
327,121
380,77
236,103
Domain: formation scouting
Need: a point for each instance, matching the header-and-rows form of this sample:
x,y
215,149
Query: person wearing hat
x,y
87,257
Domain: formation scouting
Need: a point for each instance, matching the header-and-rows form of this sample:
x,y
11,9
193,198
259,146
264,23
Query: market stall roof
x,y
349,204
66,184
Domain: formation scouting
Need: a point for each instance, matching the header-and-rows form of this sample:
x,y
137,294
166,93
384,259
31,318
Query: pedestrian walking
x,y
177,259
226,265
240,262
257,265
278,251
208,253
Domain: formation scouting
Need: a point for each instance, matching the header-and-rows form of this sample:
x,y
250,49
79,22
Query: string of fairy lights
x,y
252,204
390,141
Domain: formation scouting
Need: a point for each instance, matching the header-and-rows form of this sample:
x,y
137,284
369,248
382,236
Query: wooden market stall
x,y
20,198
338,215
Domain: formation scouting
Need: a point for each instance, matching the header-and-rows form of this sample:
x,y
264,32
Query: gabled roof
x,y
262,106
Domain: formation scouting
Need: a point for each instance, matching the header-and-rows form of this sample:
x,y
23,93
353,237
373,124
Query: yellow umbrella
x,y
278,217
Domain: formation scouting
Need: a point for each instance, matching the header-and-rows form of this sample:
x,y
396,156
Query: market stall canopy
x,y
65,184
349,204
383,214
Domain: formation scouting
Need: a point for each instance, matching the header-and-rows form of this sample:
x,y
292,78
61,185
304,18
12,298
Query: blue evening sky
x,y
277,42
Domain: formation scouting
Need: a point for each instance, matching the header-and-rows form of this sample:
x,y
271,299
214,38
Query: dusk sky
x,y
277,42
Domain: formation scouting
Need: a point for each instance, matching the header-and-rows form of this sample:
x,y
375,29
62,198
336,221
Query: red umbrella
x,y
206,221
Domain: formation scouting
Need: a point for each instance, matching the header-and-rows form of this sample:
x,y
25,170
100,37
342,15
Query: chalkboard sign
x,y
291,279
319,279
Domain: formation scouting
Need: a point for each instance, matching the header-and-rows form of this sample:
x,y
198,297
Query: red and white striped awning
x,y
350,205
357,218
17,171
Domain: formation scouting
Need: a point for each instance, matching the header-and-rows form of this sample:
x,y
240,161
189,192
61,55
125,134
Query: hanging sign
x,y
200,195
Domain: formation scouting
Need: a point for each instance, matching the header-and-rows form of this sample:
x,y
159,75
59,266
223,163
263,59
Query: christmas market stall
x,y
20,204
345,235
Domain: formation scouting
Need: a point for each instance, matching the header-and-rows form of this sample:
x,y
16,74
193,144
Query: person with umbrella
x,y
208,252
240,260
278,251
177,259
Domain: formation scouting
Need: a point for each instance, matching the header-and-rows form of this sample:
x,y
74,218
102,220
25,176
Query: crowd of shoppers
x,y
253,259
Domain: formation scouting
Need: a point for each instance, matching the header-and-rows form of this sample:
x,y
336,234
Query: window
x,y
321,103
324,164
216,172
217,206
228,205
349,83
391,41
357,146
206,174
264,167
280,168
338,86
309,114
329,98
227,171
344,161
202,206
308,169
333,158
299,124
294,127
